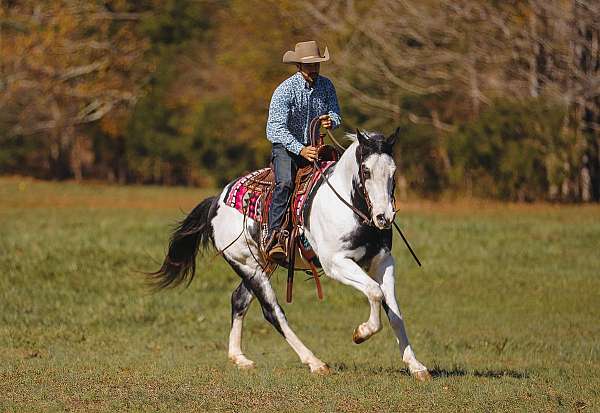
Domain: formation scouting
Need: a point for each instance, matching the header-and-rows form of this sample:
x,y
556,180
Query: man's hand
x,y
309,153
326,121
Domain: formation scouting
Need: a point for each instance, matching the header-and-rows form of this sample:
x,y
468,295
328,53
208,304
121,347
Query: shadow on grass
x,y
490,374
436,372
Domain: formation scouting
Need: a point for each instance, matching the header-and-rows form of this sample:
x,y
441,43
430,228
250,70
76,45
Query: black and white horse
x,y
350,251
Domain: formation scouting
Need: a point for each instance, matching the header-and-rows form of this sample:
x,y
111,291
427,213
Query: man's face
x,y
310,71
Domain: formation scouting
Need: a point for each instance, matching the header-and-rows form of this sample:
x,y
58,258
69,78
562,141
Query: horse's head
x,y
376,169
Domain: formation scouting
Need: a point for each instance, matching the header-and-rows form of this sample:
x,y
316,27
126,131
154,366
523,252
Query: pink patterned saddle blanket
x,y
249,193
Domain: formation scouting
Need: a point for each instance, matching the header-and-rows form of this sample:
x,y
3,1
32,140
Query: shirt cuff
x,y
295,147
335,119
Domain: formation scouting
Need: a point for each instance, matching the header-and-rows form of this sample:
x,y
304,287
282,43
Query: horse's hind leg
x,y
257,281
240,301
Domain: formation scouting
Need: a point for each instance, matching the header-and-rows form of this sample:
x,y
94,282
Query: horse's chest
x,y
366,242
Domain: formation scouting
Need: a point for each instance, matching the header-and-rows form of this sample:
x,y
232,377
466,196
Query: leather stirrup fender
x,y
291,264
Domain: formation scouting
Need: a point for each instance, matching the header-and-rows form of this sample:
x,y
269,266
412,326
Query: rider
x,y
295,102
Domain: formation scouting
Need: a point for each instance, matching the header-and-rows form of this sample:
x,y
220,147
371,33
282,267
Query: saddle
x,y
304,181
251,194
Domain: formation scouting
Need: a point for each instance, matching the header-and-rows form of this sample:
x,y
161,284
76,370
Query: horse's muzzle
x,y
382,222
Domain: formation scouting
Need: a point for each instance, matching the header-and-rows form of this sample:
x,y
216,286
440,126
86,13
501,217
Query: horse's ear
x,y
391,140
362,139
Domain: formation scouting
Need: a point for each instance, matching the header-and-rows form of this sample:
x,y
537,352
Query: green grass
x,y
505,311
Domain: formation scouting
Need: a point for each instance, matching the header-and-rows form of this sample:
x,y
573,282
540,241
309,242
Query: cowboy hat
x,y
306,52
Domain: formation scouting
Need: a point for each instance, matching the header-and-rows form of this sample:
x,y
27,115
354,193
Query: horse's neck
x,y
327,211
345,171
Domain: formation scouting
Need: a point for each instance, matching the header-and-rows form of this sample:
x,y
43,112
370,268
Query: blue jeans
x,y
285,166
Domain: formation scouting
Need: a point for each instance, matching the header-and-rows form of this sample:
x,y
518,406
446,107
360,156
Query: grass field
x,y
505,311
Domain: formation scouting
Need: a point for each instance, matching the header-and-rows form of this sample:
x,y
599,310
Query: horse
x,y
349,228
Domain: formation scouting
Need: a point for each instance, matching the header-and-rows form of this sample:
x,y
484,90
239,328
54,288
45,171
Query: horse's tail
x,y
192,233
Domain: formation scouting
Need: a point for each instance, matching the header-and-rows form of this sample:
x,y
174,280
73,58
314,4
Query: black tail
x,y
193,232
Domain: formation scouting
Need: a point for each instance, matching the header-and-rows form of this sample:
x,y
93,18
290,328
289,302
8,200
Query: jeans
x,y
285,166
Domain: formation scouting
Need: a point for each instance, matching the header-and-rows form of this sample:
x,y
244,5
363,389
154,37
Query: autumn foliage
x,y
494,99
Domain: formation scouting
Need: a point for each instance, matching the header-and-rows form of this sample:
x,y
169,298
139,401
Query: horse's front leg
x,y
346,271
382,270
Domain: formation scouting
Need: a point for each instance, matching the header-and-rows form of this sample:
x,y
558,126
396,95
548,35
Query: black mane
x,y
376,143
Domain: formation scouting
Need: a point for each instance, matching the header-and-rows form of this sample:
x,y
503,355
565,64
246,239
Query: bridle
x,y
367,219
361,183
316,139
362,179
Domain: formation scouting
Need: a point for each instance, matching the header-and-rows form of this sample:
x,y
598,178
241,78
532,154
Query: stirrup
x,y
274,248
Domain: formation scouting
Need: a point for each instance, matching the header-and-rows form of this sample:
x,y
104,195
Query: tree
x,y
66,65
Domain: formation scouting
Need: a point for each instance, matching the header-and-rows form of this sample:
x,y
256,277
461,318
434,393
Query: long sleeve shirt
x,y
294,104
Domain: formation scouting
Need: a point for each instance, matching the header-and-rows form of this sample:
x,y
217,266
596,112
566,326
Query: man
x,y
295,102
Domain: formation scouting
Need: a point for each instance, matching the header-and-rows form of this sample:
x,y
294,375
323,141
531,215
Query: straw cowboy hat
x,y
306,52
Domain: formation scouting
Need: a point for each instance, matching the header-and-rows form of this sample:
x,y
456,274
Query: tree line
x,y
496,99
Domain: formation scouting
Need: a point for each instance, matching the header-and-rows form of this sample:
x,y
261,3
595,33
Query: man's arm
x,y
277,129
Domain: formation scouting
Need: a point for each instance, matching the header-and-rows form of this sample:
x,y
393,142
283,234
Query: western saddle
x,y
291,234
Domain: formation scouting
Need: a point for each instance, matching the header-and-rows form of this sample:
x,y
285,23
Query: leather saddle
x,y
293,219
252,195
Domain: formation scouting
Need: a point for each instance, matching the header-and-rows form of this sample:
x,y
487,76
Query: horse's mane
x,y
351,136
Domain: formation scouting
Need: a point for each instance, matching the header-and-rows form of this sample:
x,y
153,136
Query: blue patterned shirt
x,y
294,104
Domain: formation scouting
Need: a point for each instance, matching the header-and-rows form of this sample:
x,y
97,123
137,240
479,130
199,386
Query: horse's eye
x,y
366,173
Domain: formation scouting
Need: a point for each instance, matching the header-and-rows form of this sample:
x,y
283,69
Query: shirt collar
x,y
304,83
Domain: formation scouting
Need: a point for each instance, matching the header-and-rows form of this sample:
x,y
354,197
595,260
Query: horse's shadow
x,y
490,374
439,373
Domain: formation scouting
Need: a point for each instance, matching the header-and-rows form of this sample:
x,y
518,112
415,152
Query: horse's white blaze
x,y
379,186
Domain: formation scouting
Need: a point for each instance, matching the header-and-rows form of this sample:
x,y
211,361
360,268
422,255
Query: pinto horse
x,y
351,249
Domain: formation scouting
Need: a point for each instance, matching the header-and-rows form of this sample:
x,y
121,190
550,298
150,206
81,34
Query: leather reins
x,y
314,136
314,140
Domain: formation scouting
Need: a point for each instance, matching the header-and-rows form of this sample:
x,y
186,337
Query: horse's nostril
x,y
381,219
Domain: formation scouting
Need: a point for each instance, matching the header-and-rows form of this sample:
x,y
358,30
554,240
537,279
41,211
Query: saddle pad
x,y
301,197
247,194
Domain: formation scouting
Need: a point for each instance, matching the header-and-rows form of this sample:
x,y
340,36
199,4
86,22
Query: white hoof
x,y
362,333
422,375
320,369
242,362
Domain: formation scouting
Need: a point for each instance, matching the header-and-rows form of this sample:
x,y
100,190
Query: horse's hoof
x,y
322,370
422,375
249,365
359,337
243,363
